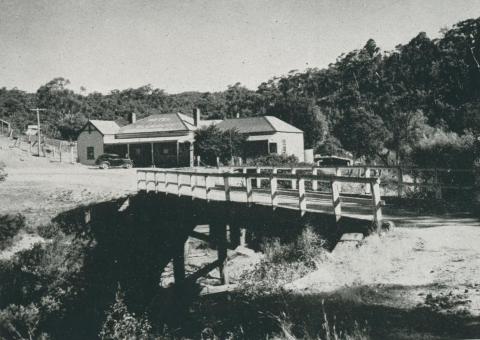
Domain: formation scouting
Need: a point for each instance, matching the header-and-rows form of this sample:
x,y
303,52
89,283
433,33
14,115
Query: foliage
x,y
283,263
211,142
9,227
274,160
21,322
121,324
445,150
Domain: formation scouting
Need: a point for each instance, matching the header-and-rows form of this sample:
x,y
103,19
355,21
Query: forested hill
x,y
375,104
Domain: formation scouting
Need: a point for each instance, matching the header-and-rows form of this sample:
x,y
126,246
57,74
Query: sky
x,y
199,45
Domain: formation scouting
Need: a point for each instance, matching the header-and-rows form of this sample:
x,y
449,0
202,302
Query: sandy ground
x,y
437,267
426,259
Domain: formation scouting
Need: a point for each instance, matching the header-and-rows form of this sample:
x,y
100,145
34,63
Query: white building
x,y
166,140
267,135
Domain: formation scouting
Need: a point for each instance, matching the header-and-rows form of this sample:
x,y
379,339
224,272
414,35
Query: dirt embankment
x,y
39,189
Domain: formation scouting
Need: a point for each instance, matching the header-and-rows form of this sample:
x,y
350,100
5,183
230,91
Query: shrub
x,y
445,150
9,227
274,160
121,324
283,263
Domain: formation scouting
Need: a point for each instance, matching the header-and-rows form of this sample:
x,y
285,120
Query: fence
x,y
54,149
261,188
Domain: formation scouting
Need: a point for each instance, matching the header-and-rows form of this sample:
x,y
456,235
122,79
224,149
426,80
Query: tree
x,y
210,143
363,133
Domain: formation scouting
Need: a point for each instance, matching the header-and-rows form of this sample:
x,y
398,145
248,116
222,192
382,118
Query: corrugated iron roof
x,y
264,124
156,123
106,127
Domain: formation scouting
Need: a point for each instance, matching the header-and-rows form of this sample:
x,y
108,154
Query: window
x,y
90,152
272,148
284,146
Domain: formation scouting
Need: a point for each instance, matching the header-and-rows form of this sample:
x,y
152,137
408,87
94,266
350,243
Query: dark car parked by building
x,y
111,160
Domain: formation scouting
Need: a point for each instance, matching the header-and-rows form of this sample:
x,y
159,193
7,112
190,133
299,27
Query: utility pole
x,y
39,136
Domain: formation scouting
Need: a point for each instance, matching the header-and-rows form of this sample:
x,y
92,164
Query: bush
x,y
444,150
274,160
283,263
121,324
9,227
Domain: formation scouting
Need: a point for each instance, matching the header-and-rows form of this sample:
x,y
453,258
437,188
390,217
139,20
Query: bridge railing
x,y
267,189
395,180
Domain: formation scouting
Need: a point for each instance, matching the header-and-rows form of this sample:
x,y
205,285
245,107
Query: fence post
x,y
227,186
314,182
337,206
294,181
367,175
259,180
377,209
302,199
438,186
273,188
400,181
248,185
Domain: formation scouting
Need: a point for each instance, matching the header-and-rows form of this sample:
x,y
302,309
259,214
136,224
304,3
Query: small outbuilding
x,y
93,138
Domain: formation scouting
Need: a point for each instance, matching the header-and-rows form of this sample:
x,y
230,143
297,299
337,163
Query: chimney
x,y
133,117
196,116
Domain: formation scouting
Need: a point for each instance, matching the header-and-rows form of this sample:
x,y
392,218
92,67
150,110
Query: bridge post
x,y
259,180
155,182
248,185
367,175
294,181
399,181
336,203
206,187
377,209
273,188
227,186
438,186
178,184
222,254
314,182
302,198
192,185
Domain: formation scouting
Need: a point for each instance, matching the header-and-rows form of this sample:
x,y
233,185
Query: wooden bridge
x,y
356,197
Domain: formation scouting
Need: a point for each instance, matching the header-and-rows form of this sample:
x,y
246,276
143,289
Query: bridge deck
x,y
291,191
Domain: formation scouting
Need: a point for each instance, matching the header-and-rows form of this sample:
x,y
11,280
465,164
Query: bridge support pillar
x,y
220,233
179,262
